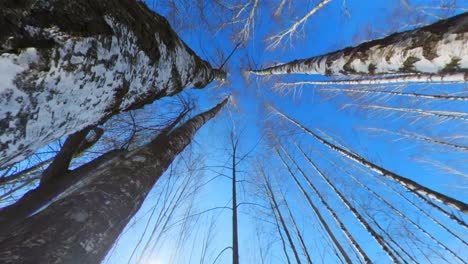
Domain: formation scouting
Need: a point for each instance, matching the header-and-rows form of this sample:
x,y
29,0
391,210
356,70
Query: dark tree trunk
x,y
34,199
71,64
235,243
83,225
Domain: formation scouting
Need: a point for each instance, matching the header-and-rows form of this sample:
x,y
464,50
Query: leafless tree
x,y
76,219
410,185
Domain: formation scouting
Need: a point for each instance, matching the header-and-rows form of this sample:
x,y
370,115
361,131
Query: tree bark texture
x,y
438,48
69,64
83,225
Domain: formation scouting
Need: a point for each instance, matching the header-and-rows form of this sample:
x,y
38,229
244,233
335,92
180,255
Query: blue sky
x,y
328,30
200,228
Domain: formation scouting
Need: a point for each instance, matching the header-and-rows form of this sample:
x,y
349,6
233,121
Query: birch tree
x,y
435,49
73,228
69,65
408,184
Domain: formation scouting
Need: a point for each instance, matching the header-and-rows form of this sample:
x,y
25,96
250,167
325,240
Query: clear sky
x,y
337,25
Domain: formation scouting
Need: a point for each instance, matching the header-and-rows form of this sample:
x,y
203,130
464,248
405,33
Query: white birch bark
x,y
414,78
67,64
393,93
445,212
417,207
436,48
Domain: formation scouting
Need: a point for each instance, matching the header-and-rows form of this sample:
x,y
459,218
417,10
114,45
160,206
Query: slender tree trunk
x,y
282,86
423,138
417,207
398,212
316,211
283,243
353,210
343,228
70,64
277,211
296,230
389,237
235,243
410,185
415,78
420,112
82,226
436,48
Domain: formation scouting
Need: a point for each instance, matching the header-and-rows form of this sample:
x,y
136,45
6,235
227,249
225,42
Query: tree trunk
x,y
85,145
276,209
417,111
408,184
340,224
82,226
415,224
423,138
316,211
373,92
415,78
69,64
235,242
54,179
283,243
438,48
34,199
296,230
376,236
